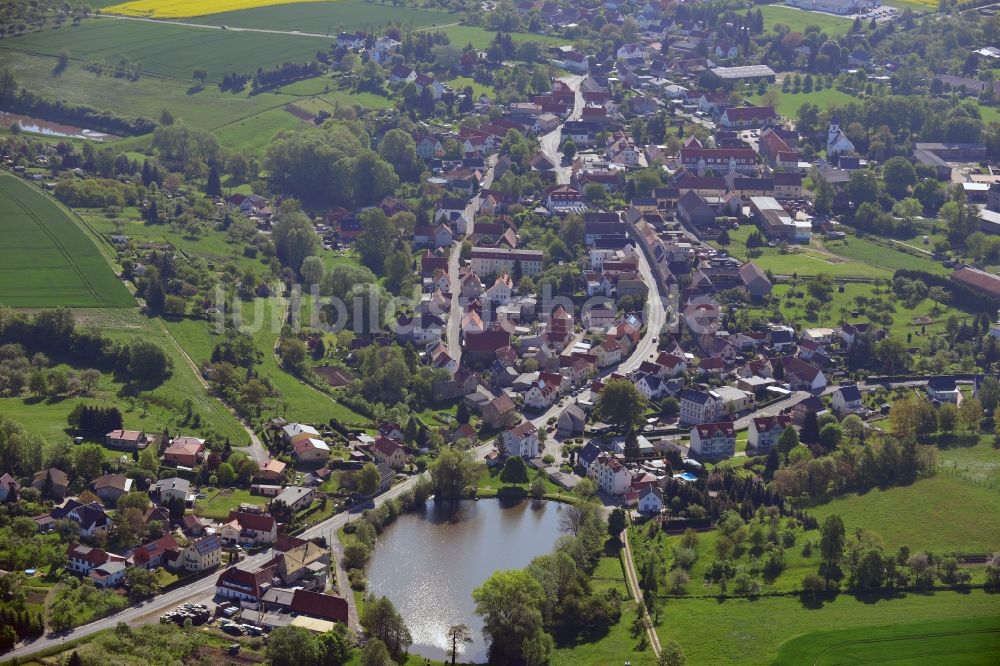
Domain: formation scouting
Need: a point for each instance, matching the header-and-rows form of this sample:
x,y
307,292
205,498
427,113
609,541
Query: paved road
x,y
549,143
204,588
453,331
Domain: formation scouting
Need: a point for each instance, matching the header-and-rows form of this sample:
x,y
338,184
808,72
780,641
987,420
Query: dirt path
x,y
256,450
633,586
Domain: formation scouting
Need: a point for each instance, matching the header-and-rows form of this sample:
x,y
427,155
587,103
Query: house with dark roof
x,y
944,389
9,488
90,518
847,400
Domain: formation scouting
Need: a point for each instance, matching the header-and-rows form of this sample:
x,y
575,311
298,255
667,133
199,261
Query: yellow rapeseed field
x,y
189,8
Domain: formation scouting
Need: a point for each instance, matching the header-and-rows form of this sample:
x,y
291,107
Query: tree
x,y
671,655
213,186
509,603
789,439
616,523
292,646
382,621
813,585
832,539
376,241
454,472
989,393
939,295
335,646
312,270
398,149
294,238
458,633
148,362
368,479
141,583
830,436
810,428
863,187
514,471
376,654
88,461
537,486
899,176
569,149
621,404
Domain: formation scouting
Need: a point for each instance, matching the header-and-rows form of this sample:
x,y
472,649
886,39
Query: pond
x,y
428,564
49,128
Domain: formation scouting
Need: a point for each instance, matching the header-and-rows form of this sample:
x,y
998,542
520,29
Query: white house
x,y
629,51
847,400
713,440
521,440
500,292
944,389
765,431
837,142
651,500
310,450
610,474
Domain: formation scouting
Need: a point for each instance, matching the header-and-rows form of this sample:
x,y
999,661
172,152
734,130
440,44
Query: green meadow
x,y
958,642
46,257
751,632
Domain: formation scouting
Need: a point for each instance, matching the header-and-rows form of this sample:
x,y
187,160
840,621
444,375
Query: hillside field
x,y
943,513
46,259
752,632
170,50
958,643
328,17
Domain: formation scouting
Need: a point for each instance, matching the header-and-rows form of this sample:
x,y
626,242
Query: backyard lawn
x,y
219,502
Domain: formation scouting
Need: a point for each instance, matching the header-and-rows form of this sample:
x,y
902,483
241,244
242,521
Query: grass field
x,y
979,463
750,632
219,502
330,17
882,254
958,642
941,514
46,258
298,401
185,8
168,49
788,103
803,259
798,20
